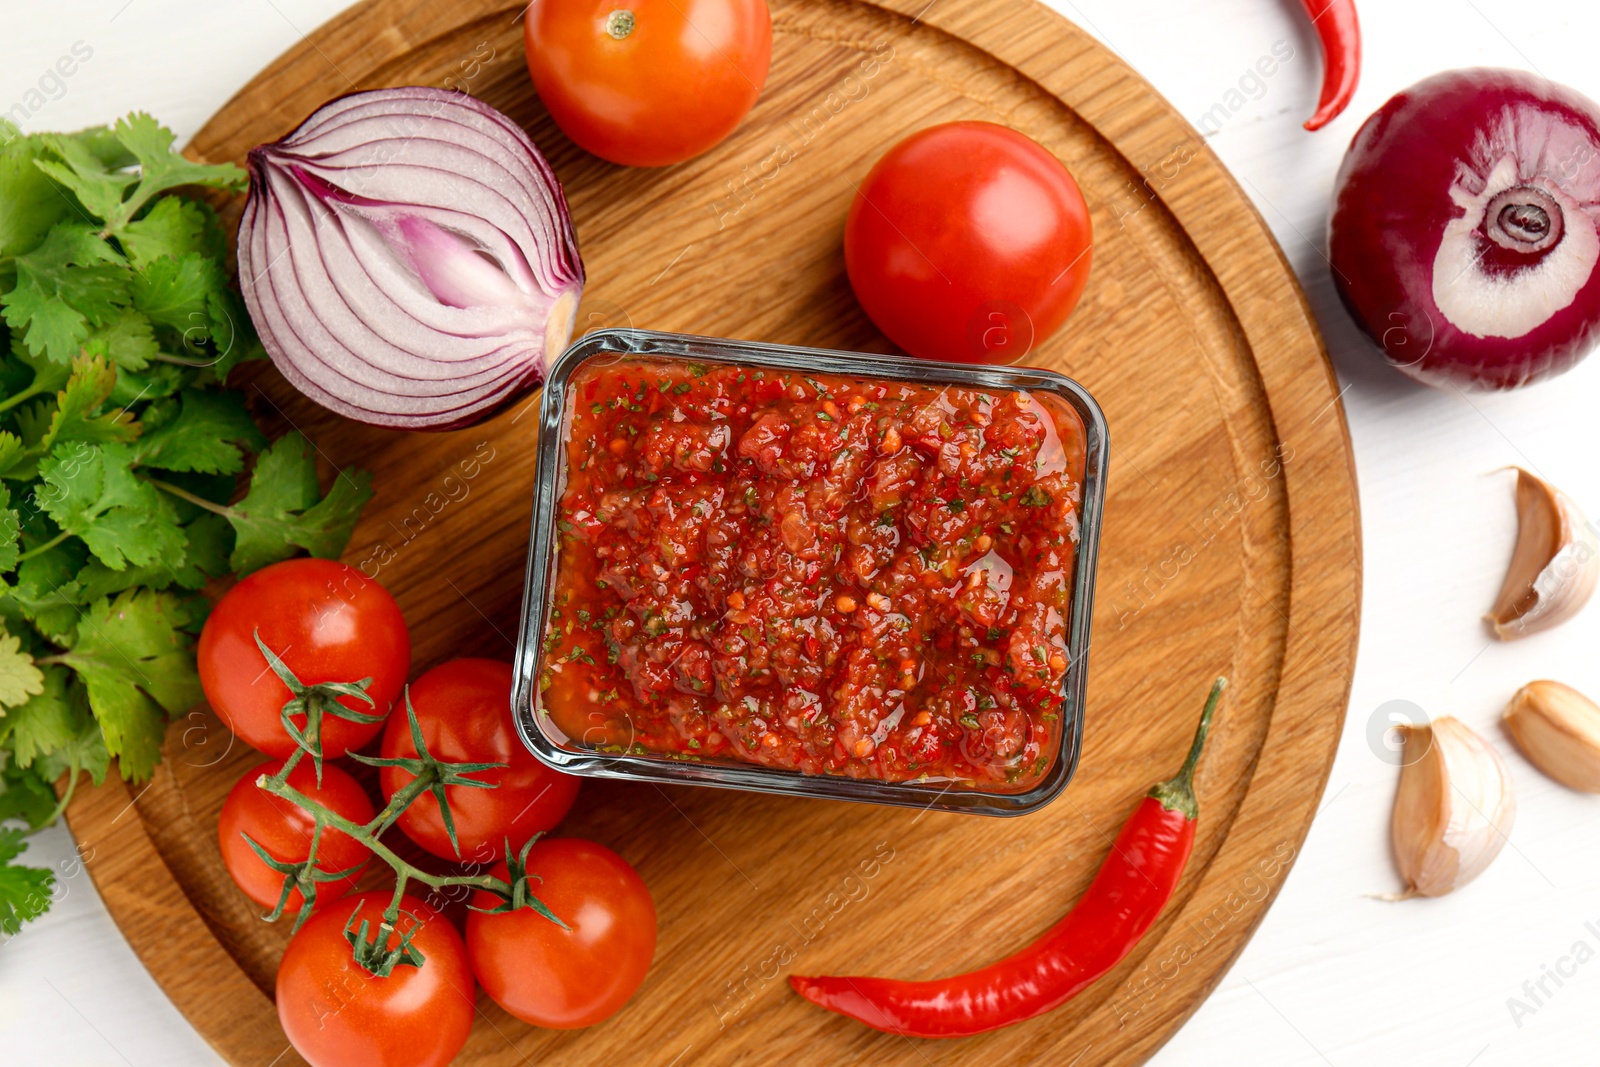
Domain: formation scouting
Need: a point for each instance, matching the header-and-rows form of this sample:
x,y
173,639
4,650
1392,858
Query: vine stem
x,y
367,835
399,802
429,775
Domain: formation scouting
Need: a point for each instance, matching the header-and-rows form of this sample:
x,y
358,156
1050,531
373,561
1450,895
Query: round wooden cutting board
x,y
1231,546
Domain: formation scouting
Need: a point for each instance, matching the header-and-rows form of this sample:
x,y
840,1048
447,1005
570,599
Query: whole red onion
x,y
1464,230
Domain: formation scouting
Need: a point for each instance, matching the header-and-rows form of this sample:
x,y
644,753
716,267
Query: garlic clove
x,y
1453,810
1555,566
1558,729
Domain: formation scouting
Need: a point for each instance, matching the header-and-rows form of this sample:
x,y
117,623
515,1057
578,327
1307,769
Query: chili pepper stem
x,y
1177,792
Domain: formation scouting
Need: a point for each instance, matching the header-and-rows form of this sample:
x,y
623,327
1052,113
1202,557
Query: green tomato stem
x,y
403,871
400,801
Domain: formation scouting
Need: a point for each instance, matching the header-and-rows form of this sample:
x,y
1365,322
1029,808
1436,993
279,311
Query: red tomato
x,y
651,82
558,978
338,1014
464,710
968,241
284,830
329,623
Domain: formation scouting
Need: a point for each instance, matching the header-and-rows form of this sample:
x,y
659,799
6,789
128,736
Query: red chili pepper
x,y
1340,34
1132,886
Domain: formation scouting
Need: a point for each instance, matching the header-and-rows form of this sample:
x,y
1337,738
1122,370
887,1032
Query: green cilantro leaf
x,y
46,593
210,543
33,424
177,292
12,453
50,325
49,721
156,381
93,169
33,203
174,227
85,752
48,375
99,187
19,678
129,341
137,637
76,243
210,540
24,891
138,666
90,491
205,435
86,390
10,530
72,280
231,334
96,580
103,145
282,510
161,168
132,724
25,793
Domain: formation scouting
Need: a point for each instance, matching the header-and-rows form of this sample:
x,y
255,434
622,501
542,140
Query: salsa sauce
x,y
814,572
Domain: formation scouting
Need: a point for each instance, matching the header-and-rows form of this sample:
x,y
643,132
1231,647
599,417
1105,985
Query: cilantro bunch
x,y
120,451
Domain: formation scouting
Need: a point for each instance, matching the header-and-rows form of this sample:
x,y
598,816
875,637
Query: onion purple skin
x,y
1518,307
408,258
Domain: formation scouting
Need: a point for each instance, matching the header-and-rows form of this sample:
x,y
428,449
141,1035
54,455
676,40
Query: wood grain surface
x,y
1231,546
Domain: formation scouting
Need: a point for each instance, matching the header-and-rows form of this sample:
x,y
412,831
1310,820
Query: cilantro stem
x,y
162,357
184,494
12,401
41,549
66,795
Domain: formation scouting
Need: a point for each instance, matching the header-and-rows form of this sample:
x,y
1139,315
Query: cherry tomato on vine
x,y
284,829
329,623
650,82
338,1014
464,710
558,978
968,241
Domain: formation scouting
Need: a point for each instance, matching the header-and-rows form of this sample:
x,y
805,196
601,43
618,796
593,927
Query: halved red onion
x,y
408,259
1464,232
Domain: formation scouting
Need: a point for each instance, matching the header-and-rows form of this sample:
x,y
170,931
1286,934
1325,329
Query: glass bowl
x,y
565,753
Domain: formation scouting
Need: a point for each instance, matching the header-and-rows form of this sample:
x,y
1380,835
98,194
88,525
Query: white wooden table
x,y
1333,976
